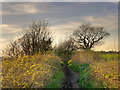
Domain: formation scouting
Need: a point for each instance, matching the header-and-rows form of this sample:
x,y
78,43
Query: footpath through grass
x,y
85,80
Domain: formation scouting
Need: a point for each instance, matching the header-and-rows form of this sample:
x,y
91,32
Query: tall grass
x,y
29,71
85,56
85,80
107,72
56,80
102,69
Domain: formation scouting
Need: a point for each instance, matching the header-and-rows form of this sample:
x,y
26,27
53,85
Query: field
x,y
109,56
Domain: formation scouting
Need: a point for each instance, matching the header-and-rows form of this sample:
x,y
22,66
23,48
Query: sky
x,y
63,18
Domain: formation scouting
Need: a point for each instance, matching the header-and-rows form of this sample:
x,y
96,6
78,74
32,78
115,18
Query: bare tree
x,y
12,49
87,36
25,44
36,38
66,48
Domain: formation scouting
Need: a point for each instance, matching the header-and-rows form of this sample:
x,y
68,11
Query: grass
x,y
29,71
56,80
101,71
86,80
109,56
85,57
107,71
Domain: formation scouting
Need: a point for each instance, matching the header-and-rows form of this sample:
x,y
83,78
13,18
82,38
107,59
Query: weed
x,y
56,80
29,71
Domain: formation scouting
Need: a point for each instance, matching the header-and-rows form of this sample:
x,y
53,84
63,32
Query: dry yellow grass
x,y
107,71
29,71
104,69
85,56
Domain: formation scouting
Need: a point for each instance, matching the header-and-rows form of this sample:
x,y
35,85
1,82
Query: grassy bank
x,y
85,80
56,80
107,71
30,71
96,70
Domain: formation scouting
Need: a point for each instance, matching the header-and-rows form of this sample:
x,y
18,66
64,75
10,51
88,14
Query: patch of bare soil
x,y
71,78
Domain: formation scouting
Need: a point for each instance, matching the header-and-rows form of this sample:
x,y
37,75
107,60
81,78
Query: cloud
x,y
107,46
109,22
5,13
25,8
9,28
2,40
4,25
9,33
21,8
2,45
1,0
63,30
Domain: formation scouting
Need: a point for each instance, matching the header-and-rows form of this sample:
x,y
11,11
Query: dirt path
x,y
70,80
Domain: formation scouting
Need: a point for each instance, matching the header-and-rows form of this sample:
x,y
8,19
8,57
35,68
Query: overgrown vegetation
x,y
65,49
97,73
56,80
29,71
85,80
107,71
86,56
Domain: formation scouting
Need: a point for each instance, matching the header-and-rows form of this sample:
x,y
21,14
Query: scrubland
x,y
30,71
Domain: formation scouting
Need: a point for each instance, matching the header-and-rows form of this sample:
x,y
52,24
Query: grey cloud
x,y
20,8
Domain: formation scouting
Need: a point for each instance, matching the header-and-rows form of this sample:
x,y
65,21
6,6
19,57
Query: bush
x,y
29,71
86,56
